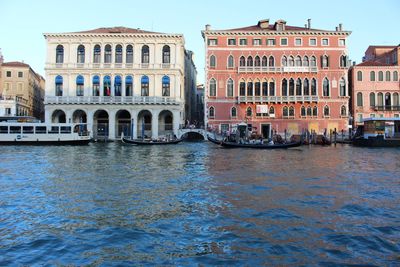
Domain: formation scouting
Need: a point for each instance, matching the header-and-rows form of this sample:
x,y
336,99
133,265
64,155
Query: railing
x,y
258,69
90,65
276,99
157,100
386,108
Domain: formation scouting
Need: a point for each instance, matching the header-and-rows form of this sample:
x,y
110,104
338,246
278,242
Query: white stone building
x,y
117,80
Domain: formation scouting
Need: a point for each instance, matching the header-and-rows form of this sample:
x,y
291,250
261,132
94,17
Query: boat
x,y
38,133
378,132
150,141
260,145
213,140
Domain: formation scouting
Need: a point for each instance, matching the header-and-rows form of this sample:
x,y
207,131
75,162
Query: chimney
x,y
309,23
208,27
337,28
340,26
263,24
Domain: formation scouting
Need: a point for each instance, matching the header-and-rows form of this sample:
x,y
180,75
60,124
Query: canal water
x,y
198,204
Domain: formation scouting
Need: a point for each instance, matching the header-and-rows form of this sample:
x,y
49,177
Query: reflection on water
x,y
196,203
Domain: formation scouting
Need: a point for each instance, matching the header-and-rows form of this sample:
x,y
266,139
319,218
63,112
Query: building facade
x,y
118,80
190,86
22,90
375,84
277,78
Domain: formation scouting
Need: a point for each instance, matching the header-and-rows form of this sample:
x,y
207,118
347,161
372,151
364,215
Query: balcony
x,y
132,100
277,99
258,69
386,108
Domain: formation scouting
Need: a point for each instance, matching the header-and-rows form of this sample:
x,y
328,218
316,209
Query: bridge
x,y
194,131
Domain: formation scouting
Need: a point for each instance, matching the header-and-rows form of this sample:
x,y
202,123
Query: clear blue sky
x,y
23,22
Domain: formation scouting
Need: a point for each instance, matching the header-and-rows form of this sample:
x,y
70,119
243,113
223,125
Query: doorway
x,y
266,131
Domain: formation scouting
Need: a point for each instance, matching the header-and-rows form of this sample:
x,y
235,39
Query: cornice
x,y
112,35
275,33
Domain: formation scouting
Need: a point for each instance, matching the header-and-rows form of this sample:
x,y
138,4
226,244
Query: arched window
x,y
284,61
306,87
257,61
264,62
343,61
388,100
298,61
233,112
291,87
250,88
79,85
229,88
271,111
59,85
380,100
96,85
230,62
249,112
309,111
303,111
117,85
324,61
242,61
265,88
388,76
315,111
129,54
96,54
165,86
272,88
257,88
60,54
285,111
380,76
284,87
396,100
213,62
359,76
372,76
118,54
213,87
166,52
291,111
129,86
343,111
325,87
395,76
313,86
145,86
298,86
313,62
107,86
291,61
372,99
271,61
211,112
306,63
249,61
242,88
81,54
359,99
107,54
342,87
326,110
145,54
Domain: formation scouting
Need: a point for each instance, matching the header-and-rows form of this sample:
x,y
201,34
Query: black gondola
x,y
260,146
149,142
212,140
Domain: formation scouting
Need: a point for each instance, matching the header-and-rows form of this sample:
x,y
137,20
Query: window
x,y
233,112
380,99
250,89
8,74
313,86
212,42
309,111
284,61
257,61
211,112
325,87
118,54
231,41
306,87
165,86
249,61
213,62
303,111
380,76
298,42
265,88
256,41
242,61
271,111
230,62
59,85
372,99
166,51
96,54
81,54
298,61
242,88
129,54
359,117
229,88
342,87
145,86
20,86
213,87
324,61
395,76
343,111
313,62
284,41
343,61
291,111
242,41
107,85
257,89
272,88
291,87
325,42
315,111
145,54
359,99
270,42
129,86
313,42
359,76
249,112
326,111
372,76
306,63
298,87
20,74
264,61
271,61
396,100
388,76
285,112
60,54
96,85
117,85
284,87
342,42
79,85
107,54
291,61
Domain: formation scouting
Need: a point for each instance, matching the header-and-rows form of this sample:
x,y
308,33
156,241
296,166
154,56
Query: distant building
x,y
116,79
21,90
190,86
375,84
199,114
277,78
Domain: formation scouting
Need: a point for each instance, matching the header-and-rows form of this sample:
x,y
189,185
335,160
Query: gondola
x,y
149,142
212,140
260,146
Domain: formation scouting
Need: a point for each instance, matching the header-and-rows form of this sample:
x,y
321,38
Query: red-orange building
x,y
375,84
277,77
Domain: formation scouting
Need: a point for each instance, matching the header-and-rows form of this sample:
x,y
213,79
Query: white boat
x,y
36,133
378,132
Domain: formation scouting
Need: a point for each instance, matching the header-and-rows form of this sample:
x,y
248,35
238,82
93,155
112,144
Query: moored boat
x,y
213,140
260,145
378,132
150,141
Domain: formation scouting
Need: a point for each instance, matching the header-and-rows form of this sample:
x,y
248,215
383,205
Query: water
x,y
198,204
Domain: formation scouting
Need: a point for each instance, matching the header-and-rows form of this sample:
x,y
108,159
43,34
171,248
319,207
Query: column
x,y
68,116
134,116
111,124
175,121
90,123
154,123
47,114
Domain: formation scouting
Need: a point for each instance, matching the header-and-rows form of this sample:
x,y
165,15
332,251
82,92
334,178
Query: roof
x,y
15,64
115,30
383,46
372,64
271,27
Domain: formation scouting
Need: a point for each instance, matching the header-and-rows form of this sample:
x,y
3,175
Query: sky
x,y
23,22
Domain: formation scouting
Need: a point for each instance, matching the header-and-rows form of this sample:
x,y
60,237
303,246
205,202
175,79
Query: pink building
x,y
375,84
276,77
